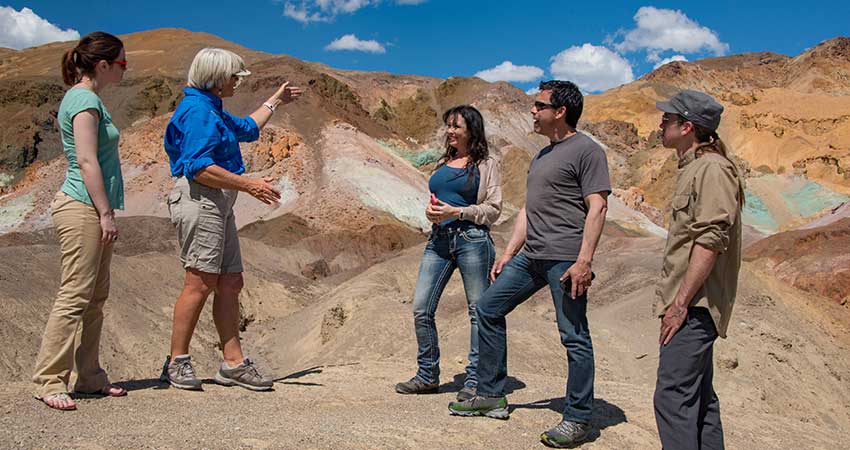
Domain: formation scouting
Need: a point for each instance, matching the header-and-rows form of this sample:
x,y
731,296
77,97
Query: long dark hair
x,y
92,48
478,149
709,141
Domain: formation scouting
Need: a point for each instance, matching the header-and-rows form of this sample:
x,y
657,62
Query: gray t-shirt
x,y
559,179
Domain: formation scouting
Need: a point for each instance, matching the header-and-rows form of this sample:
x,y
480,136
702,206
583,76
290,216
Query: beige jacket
x,y
488,206
705,212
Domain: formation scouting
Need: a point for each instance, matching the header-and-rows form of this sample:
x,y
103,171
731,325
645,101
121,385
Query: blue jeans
x,y
519,280
457,245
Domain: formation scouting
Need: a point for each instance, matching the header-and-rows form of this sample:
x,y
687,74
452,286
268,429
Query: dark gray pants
x,y
686,407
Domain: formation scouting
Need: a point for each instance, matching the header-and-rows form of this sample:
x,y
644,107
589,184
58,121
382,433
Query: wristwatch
x,y
270,106
461,215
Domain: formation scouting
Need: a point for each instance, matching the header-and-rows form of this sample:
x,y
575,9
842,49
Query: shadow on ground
x,y
605,414
512,384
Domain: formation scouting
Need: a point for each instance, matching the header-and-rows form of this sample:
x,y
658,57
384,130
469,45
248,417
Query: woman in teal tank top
x,y
84,215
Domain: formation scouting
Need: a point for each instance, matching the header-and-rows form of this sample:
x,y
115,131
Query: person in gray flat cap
x,y
699,276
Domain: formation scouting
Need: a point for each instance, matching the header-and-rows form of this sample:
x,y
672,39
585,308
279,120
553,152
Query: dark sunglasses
x,y
541,105
122,63
665,119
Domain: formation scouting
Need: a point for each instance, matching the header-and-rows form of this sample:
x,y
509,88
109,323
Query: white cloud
x,y
351,42
507,71
533,91
306,11
669,60
301,14
592,68
667,29
24,28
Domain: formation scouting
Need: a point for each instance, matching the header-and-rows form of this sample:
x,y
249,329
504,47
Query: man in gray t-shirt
x,y
552,244
561,176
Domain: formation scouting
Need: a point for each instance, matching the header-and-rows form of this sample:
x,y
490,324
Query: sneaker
x,y
493,407
467,392
180,373
566,434
244,375
416,386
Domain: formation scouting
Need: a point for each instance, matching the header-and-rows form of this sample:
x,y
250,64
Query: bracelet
x,y
270,106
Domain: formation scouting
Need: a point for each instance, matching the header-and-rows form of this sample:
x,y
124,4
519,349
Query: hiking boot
x,y
467,392
566,434
416,386
493,407
180,373
244,375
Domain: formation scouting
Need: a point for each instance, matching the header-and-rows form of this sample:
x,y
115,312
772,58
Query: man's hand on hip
x,y
673,319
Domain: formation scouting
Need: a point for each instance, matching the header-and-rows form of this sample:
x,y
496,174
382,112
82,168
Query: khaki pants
x,y
71,338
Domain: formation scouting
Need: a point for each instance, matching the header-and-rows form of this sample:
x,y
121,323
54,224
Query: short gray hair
x,y
213,67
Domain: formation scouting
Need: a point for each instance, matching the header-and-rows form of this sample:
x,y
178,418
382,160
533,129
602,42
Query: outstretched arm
x,y
285,94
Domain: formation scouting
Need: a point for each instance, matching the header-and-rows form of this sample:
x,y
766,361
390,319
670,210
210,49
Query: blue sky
x,y
600,44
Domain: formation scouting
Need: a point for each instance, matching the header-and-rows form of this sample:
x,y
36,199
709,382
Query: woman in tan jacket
x,y
466,198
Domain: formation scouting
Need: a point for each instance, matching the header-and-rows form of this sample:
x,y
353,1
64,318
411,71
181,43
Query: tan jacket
x,y
488,205
705,210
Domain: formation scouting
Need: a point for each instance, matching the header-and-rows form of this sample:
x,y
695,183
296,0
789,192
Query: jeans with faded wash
x,y
469,248
520,278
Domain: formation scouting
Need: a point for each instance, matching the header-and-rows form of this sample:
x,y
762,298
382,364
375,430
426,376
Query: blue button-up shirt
x,y
201,134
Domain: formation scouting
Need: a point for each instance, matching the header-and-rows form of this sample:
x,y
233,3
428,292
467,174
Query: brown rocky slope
x,y
330,272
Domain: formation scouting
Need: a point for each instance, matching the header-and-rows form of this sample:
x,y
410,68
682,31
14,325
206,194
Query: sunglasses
x,y
238,80
541,105
122,63
665,119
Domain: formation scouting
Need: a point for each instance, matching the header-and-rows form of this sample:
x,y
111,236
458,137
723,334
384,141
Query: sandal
x,y
112,390
61,401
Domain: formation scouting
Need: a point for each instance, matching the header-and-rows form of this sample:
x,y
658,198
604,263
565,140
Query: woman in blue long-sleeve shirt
x,y
202,143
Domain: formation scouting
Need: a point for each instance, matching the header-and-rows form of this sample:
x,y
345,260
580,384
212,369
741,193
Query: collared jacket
x,y
201,133
706,210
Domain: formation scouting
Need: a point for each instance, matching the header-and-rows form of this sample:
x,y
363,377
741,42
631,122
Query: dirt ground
x,y
781,376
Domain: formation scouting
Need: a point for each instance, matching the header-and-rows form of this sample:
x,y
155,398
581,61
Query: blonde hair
x,y
213,67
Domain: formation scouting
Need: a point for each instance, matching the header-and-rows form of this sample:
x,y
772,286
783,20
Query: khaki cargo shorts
x,y
206,227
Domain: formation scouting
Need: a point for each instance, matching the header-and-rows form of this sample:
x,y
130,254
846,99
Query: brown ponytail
x,y
710,142
92,48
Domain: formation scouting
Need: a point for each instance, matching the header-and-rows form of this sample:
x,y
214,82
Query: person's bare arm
x,y
285,94
218,177
85,142
580,273
514,244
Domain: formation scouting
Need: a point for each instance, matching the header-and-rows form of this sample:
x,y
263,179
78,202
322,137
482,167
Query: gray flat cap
x,y
697,107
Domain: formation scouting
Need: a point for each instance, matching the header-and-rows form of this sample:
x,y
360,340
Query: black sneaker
x,y
566,434
416,386
493,407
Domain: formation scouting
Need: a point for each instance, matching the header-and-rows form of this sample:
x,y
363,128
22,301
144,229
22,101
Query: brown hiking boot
x,y
416,386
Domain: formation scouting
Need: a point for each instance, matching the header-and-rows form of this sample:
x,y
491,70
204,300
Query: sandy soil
x,y
781,376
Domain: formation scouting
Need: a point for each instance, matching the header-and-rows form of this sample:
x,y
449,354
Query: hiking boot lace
x,y
568,428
